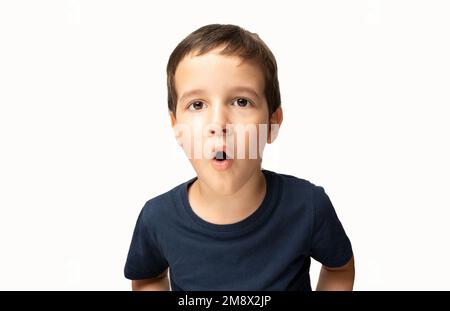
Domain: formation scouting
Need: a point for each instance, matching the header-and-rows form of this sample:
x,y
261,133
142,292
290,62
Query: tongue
x,y
221,155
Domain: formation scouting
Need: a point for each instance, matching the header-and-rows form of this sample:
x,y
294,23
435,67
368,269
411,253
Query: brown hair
x,y
238,42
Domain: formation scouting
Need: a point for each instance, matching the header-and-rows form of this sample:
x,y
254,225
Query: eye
x,y
194,106
242,102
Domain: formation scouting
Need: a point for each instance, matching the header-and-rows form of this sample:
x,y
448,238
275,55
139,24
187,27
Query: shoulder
x,y
316,198
159,206
299,187
304,193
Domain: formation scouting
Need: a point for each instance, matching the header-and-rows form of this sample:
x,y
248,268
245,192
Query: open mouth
x,y
221,161
220,156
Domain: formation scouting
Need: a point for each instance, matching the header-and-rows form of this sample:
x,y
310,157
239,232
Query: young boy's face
x,y
221,106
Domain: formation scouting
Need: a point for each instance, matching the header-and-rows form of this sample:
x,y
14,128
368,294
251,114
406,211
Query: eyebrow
x,y
235,89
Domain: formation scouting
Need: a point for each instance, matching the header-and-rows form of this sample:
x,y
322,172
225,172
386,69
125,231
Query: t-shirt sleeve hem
x,y
135,275
339,262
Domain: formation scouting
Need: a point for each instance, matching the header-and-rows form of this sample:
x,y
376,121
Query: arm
x,y
337,279
159,283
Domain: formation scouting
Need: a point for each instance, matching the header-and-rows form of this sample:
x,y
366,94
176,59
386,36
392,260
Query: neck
x,y
229,207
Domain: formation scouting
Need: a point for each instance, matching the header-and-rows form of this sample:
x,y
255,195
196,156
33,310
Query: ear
x,y
172,119
176,130
275,122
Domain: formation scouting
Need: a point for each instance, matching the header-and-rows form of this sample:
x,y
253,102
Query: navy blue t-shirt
x,y
269,250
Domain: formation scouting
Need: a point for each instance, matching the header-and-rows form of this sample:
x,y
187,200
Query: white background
x,y
85,135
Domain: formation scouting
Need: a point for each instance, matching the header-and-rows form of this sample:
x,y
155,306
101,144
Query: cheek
x,y
255,116
197,126
196,144
257,142
193,127
260,121
249,140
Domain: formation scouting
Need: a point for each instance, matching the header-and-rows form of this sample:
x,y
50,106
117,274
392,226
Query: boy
x,y
235,226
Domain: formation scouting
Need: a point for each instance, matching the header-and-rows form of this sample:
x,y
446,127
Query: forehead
x,y
213,72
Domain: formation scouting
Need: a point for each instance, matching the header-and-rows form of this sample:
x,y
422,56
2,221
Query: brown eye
x,y
197,105
242,102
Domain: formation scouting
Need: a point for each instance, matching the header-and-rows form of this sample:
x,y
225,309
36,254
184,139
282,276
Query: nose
x,y
218,120
217,129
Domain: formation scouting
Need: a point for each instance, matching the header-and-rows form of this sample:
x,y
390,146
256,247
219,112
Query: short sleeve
x,y
330,244
145,259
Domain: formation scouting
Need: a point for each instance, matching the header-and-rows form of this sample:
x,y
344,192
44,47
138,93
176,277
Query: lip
x,y
221,165
224,164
